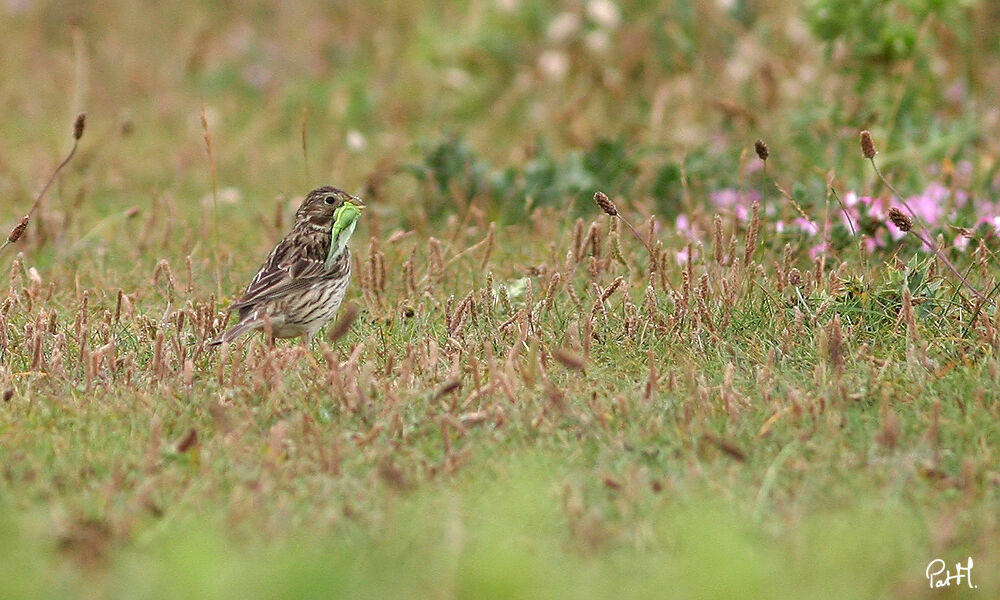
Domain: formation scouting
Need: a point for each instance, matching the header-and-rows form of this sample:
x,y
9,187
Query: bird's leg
x,y
307,345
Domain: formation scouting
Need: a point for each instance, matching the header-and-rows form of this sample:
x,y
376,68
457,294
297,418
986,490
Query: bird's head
x,y
320,204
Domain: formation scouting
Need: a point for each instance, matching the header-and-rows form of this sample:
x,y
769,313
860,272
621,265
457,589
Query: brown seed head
x,y
189,441
867,145
897,218
794,277
447,388
605,203
347,317
761,148
18,230
569,359
78,125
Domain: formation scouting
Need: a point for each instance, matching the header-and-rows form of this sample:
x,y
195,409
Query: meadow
x,y
773,373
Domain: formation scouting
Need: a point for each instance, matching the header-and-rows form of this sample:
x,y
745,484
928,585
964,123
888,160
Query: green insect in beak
x,y
345,219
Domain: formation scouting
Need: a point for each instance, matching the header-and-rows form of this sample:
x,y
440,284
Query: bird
x,y
303,281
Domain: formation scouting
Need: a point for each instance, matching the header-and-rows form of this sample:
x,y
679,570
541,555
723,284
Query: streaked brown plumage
x,y
296,292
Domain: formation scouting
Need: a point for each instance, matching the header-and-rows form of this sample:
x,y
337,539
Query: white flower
x,y
553,64
356,140
604,12
226,196
230,195
563,26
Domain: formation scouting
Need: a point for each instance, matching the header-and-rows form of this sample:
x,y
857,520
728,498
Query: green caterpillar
x,y
345,219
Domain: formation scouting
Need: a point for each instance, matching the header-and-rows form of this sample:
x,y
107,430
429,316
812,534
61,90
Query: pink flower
x,y
819,249
725,198
806,225
684,226
877,212
682,222
961,198
895,232
870,244
734,199
849,218
929,206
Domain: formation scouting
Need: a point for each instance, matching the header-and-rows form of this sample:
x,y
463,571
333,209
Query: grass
x,y
532,402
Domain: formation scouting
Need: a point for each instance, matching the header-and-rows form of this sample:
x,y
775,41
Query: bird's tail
x,y
235,331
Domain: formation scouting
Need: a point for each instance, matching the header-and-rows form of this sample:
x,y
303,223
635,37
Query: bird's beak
x,y
357,202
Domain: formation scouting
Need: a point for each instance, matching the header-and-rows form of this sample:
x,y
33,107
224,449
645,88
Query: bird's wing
x,y
295,260
282,289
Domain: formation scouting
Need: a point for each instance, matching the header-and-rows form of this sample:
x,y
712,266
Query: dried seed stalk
x,y
868,150
18,230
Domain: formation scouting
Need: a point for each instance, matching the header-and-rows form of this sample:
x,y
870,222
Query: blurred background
x,y
424,106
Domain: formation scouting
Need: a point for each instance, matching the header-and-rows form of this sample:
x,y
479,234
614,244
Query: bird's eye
x,y
329,199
